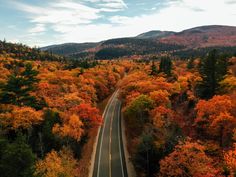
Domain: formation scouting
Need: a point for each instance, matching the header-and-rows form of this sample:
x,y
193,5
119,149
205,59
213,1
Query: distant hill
x,y
152,42
69,48
115,48
204,36
155,34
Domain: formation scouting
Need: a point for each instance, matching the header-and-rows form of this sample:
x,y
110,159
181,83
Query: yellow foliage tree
x,y
57,164
228,84
71,127
21,117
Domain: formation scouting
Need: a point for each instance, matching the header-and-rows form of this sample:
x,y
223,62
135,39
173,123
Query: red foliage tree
x,y
89,115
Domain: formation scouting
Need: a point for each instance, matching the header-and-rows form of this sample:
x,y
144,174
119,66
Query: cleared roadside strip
x,y
91,169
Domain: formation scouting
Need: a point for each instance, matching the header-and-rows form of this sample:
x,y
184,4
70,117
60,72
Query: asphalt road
x,y
109,159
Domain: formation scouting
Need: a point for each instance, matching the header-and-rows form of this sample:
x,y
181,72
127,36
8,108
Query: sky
x,y
46,22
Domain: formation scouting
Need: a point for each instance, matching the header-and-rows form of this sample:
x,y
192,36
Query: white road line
x,y
121,160
104,116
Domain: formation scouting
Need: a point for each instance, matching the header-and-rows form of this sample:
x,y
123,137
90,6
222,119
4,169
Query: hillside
x,y
204,36
24,52
115,48
69,48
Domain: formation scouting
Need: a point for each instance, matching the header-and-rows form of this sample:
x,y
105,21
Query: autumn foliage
x,y
216,117
20,117
230,159
187,159
89,115
180,119
55,164
50,107
71,127
167,109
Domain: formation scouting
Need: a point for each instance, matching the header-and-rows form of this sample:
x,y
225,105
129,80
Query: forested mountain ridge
x,y
154,42
69,48
204,36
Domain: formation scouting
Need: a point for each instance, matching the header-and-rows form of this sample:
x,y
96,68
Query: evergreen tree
x,y
190,63
43,140
147,156
16,158
18,86
153,69
212,68
165,65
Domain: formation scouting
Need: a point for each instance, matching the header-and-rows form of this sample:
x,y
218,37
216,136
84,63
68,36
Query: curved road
x,y
109,158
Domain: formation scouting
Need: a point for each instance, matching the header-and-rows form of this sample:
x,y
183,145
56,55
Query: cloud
x,y
14,40
117,3
66,13
112,5
37,29
230,2
79,21
61,12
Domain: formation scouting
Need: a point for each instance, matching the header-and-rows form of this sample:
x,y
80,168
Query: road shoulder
x,y
129,165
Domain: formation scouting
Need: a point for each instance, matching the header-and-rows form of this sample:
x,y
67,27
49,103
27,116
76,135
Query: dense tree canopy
x,y
50,111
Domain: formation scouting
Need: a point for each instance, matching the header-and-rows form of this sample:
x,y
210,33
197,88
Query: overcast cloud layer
x,y
45,22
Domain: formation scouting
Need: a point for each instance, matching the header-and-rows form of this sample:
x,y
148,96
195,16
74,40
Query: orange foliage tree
x,y
89,115
161,98
230,160
215,117
187,159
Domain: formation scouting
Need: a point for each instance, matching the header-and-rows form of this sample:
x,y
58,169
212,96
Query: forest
x,y
179,114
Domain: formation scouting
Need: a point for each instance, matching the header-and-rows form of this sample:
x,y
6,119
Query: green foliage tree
x,y
154,70
16,158
43,140
212,68
165,65
190,64
139,108
83,64
18,87
147,156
